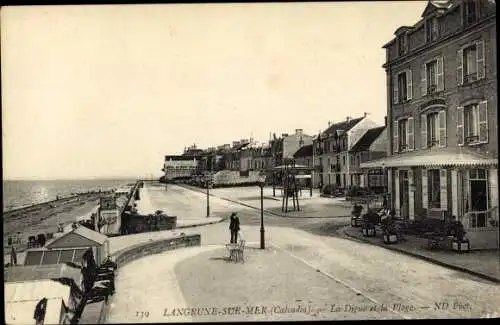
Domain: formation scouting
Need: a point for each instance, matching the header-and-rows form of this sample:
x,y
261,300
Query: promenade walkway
x,y
486,262
296,268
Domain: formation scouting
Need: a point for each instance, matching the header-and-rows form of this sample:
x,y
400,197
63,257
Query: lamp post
x,y
207,182
262,231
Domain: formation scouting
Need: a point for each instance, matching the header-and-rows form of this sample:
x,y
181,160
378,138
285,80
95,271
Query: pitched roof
x,y
305,151
344,126
40,272
367,139
85,232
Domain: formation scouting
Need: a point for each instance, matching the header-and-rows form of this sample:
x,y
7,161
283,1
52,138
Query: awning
x,y
302,176
438,157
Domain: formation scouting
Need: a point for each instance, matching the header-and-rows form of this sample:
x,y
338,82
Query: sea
x,y
22,193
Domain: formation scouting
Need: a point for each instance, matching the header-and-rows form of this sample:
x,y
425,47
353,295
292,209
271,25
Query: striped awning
x,y
443,157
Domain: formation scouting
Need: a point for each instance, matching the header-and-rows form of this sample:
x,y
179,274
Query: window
x,y
477,202
403,87
472,124
403,135
434,186
402,44
431,29
470,63
343,160
469,12
432,127
432,76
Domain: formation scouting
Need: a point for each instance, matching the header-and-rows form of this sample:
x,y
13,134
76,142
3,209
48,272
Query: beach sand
x,y
44,218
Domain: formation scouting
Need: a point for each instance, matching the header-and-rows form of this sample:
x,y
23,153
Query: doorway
x,y
404,194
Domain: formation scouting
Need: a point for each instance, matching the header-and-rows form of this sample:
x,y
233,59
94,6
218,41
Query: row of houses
x,y
437,153
334,155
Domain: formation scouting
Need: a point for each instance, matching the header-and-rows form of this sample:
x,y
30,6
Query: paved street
x,y
299,264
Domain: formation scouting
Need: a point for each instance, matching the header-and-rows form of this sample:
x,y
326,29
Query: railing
x,y
481,219
470,77
431,89
472,138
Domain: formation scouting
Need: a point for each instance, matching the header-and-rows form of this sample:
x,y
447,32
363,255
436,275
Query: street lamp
x,y
262,182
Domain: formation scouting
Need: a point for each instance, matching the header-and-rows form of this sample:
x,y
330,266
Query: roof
x,y
434,157
84,232
367,139
36,290
22,312
305,151
342,126
181,157
40,272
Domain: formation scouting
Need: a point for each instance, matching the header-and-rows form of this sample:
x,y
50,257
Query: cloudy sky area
x,y
107,91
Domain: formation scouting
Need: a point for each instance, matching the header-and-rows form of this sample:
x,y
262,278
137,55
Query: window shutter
x,y
395,85
460,67
424,79
410,134
409,85
454,192
483,121
423,131
439,74
443,182
442,128
395,137
425,201
480,59
460,125
411,198
396,191
493,188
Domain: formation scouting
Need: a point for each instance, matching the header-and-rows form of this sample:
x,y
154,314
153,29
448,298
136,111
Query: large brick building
x,y
442,112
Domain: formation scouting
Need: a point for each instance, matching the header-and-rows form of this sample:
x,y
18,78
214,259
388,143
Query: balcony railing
x,y
472,138
431,89
470,77
481,219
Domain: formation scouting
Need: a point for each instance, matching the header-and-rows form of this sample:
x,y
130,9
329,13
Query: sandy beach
x,y
44,218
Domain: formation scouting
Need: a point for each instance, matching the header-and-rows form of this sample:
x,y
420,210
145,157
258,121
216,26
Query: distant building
x,y
180,166
333,147
372,145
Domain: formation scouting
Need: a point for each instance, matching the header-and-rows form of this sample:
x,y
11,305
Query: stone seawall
x,y
130,254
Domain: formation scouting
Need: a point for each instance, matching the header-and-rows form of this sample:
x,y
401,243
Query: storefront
x,y
445,183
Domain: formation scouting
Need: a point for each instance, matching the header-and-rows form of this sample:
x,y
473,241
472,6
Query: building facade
x,y
180,166
372,145
442,108
333,147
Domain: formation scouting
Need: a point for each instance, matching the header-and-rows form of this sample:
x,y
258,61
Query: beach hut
x,y
23,298
70,247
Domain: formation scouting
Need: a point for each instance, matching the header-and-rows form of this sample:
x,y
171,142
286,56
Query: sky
x,y
108,91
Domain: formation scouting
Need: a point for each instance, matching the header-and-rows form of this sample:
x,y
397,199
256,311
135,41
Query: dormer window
x,y
402,44
469,12
431,29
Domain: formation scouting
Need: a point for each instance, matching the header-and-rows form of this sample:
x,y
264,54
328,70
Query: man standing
x,y
233,228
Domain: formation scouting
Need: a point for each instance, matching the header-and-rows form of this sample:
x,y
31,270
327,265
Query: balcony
x,y
470,78
471,139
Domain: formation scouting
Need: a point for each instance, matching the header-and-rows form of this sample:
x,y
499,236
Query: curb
x,y
429,259
266,211
202,224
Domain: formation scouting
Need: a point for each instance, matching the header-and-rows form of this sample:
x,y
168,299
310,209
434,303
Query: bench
x,y
437,240
236,251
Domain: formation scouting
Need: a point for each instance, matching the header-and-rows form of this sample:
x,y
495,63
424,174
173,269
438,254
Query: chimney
x,y
347,118
365,114
298,131
385,120
329,123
